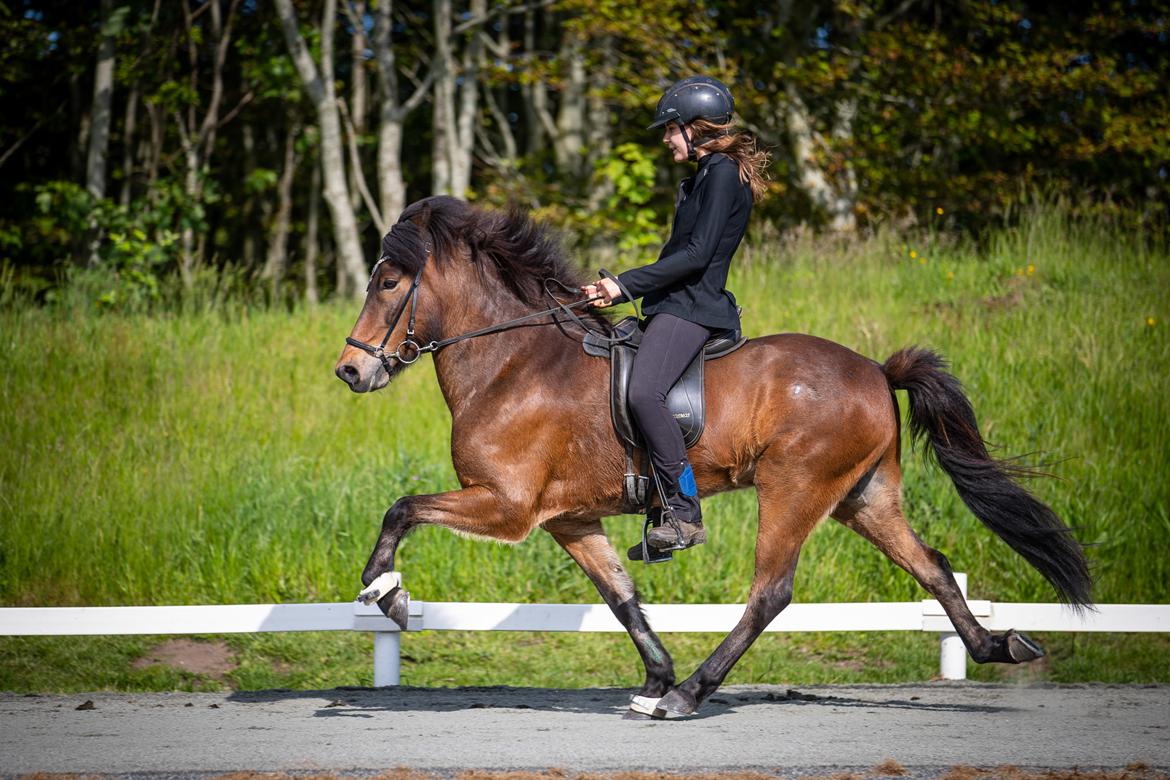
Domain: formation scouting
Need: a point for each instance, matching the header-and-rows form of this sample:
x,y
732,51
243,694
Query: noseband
x,y
414,350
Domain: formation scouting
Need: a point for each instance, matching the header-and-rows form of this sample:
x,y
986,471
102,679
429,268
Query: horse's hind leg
x,y
876,514
789,509
588,545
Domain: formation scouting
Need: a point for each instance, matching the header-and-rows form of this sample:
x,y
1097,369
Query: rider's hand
x,y
606,288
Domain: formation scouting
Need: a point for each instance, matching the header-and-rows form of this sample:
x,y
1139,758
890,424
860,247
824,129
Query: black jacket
x,y
688,278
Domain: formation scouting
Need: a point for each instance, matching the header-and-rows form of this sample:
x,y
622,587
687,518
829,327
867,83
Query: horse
x,y
811,424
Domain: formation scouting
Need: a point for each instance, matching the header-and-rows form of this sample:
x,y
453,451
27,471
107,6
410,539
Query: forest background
x,y
268,146
193,194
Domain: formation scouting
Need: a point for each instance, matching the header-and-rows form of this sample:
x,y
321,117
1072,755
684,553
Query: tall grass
x,y
212,458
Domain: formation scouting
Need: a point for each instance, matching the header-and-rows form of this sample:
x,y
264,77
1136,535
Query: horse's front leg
x,y
586,542
474,510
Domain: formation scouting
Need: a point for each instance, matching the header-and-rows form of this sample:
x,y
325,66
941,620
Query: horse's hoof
x,y
643,705
676,703
396,606
382,585
1020,648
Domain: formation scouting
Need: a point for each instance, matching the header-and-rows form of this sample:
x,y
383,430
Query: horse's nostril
x,y
348,373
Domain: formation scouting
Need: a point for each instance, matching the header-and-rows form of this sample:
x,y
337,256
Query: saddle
x,y
685,399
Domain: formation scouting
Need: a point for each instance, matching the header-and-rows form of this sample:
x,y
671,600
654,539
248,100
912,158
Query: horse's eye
x,y
389,284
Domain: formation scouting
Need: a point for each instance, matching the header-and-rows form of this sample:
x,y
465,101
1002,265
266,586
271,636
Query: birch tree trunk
x,y
837,203
600,126
103,99
444,132
464,147
312,248
129,126
318,84
569,142
276,260
197,137
391,115
359,89
535,97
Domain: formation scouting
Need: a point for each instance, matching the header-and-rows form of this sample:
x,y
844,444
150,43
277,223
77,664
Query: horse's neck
x,y
480,366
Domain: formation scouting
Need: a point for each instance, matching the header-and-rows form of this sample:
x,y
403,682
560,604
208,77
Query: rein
x,y
414,350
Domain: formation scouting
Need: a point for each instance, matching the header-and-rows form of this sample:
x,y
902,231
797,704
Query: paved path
x,y
818,729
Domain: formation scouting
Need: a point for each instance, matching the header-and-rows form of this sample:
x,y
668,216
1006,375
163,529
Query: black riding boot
x,y
684,527
689,518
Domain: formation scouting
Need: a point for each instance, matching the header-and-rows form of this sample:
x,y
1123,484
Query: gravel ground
x,y
816,730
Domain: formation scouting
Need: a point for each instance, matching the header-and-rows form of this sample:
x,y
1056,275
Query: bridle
x,y
414,350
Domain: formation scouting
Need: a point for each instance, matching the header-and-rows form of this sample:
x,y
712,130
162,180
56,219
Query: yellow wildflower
x,y
1151,321
913,254
950,275
1031,269
939,211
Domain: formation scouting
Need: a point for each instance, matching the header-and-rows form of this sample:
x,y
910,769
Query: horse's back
x,y
793,387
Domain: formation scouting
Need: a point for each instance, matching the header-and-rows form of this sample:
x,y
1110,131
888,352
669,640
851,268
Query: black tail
x,y
940,411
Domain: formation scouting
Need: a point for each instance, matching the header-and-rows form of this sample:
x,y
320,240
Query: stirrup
x,y
649,554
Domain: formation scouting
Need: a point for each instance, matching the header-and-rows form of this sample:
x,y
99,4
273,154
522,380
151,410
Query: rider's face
x,y
673,138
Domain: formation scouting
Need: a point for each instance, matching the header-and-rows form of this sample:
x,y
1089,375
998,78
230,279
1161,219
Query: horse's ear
x,y
421,216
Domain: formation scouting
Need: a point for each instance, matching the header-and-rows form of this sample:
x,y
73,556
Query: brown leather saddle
x,y
685,399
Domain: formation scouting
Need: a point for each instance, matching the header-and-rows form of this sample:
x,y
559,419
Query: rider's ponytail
x,y
738,144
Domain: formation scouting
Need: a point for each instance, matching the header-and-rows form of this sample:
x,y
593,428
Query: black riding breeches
x,y
668,347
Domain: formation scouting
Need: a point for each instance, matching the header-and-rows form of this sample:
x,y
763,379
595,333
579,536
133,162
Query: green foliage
x,y
627,214
133,248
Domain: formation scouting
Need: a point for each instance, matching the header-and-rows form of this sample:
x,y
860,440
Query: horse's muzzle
x,y
361,374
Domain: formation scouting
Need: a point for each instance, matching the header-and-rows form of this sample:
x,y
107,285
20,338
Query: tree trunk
x,y
103,98
154,152
198,136
811,177
358,89
391,115
276,260
248,209
129,125
535,98
600,126
444,132
570,140
464,148
311,227
319,86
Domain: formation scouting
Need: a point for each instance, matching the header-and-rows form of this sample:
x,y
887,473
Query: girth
x,y
685,399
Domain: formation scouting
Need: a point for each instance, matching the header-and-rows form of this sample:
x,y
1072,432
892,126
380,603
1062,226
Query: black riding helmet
x,y
695,97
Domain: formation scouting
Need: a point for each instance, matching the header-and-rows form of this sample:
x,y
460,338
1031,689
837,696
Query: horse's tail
x,y
941,412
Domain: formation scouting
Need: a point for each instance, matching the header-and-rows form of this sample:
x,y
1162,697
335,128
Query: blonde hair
x,y
738,144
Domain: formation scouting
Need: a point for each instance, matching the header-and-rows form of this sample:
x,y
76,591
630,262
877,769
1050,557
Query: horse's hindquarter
x,y
795,396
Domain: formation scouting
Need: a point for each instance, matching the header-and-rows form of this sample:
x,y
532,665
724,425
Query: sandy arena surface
x,y
816,730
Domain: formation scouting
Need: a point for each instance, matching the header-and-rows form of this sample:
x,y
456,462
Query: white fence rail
x,y
926,616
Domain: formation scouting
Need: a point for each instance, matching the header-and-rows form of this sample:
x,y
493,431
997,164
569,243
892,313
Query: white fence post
x,y
952,662
387,658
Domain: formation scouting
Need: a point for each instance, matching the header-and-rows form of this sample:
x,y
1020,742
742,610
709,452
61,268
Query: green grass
x,y
213,458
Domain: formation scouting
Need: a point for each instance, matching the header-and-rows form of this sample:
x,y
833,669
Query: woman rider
x,y
684,298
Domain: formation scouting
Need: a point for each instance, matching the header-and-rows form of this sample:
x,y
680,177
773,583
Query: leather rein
x,y
410,350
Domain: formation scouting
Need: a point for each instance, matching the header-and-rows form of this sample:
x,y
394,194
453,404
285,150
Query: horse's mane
x,y
508,245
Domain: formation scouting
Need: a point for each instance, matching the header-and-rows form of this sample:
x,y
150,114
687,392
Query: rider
x,y
685,300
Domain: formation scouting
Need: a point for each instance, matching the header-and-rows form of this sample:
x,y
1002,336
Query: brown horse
x,y
813,426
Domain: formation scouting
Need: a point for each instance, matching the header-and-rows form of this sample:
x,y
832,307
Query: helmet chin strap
x,y
687,138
